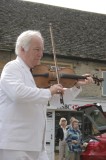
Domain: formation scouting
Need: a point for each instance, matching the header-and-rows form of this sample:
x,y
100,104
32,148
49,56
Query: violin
x,y
45,76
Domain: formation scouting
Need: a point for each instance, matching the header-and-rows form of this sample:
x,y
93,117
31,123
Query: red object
x,y
96,149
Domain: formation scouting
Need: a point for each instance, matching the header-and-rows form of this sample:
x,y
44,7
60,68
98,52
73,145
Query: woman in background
x,y
74,141
61,136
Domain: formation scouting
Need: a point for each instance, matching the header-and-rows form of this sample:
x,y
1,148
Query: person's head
x,y
30,46
71,119
75,124
63,121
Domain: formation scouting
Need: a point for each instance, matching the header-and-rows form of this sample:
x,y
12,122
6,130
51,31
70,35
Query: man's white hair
x,y
25,38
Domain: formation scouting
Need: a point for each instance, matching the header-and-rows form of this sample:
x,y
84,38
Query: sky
x,y
96,6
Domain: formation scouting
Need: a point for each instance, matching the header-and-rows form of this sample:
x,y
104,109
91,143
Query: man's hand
x,y
57,89
86,81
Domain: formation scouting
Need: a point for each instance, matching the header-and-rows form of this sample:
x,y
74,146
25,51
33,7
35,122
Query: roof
x,y
76,34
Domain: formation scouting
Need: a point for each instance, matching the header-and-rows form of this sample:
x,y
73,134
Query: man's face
x,y
34,54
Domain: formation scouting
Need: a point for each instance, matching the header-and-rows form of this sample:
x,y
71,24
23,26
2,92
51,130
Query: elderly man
x,y
23,104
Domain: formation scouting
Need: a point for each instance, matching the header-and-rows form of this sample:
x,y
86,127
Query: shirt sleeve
x,y
71,93
13,85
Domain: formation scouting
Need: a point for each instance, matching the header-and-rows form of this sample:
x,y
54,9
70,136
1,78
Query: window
x,y
98,118
104,83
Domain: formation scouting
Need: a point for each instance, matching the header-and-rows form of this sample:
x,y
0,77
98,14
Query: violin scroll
x,y
97,80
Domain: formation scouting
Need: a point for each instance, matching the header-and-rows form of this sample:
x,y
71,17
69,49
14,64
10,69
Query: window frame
x,y
103,94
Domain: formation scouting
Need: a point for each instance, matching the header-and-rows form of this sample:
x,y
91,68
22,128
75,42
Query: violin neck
x,y
72,76
41,75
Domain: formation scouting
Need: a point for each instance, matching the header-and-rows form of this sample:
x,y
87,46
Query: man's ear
x,y
22,49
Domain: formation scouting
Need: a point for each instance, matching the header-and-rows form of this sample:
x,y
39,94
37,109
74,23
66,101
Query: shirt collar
x,y
22,63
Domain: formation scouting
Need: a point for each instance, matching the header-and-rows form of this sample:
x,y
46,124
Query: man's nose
x,y
41,54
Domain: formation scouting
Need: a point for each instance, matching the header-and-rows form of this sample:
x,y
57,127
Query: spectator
x,y
74,141
61,136
70,125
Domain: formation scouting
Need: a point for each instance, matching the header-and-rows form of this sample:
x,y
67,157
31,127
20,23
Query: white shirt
x,y
65,132
23,108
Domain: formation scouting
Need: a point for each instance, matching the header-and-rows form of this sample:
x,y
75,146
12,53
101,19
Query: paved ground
x,y
56,156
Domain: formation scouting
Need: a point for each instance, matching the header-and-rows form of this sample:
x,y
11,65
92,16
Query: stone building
x,y
79,38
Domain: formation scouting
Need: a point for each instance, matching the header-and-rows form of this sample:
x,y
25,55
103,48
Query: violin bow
x,y
55,60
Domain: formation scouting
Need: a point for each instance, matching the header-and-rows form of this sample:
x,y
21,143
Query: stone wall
x,y
5,56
